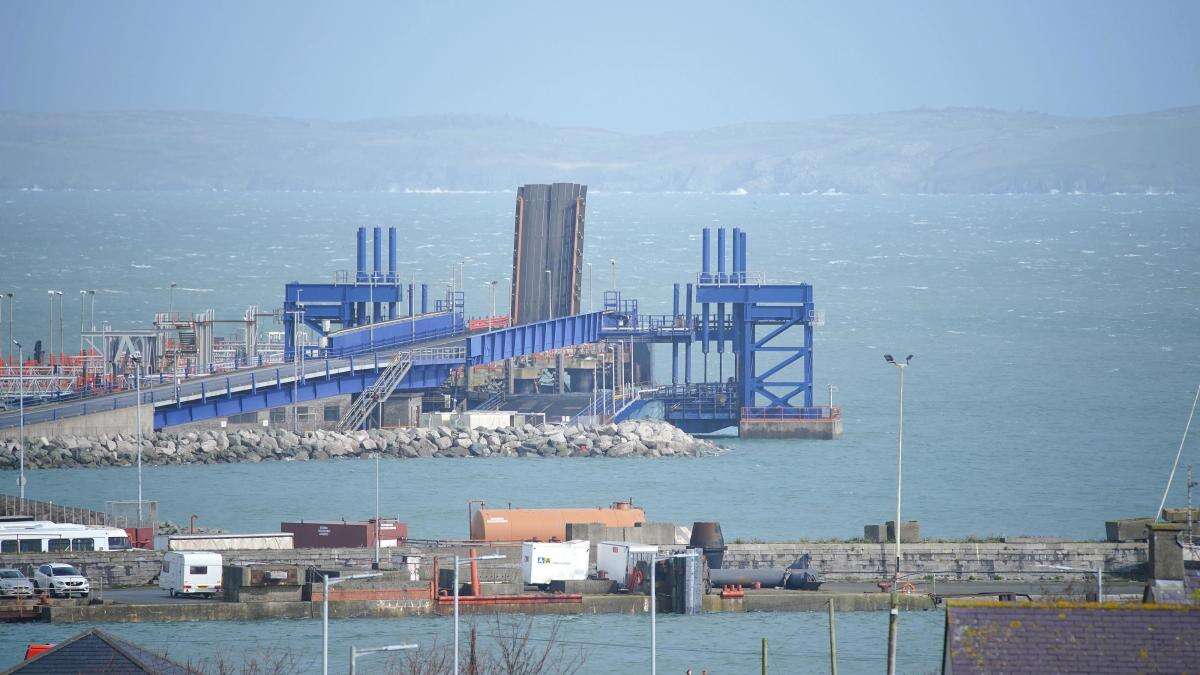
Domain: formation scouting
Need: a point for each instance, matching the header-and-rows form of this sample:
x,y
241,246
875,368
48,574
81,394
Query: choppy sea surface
x,y
1055,337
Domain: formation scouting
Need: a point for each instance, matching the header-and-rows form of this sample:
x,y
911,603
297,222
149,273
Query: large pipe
x,y
687,346
392,248
360,272
744,248
737,253
377,269
705,261
720,254
424,298
674,344
391,275
411,296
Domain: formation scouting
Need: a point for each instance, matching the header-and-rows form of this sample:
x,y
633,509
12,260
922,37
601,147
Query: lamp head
x,y
888,358
908,359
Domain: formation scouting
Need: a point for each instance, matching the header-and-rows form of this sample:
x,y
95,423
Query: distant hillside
x,y
933,151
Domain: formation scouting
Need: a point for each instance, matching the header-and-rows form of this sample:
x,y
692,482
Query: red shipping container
x,y
341,534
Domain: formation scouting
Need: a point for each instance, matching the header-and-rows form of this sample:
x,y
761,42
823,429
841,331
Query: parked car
x,y
61,580
13,584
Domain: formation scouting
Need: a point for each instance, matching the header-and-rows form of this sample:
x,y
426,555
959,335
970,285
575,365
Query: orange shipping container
x,y
547,524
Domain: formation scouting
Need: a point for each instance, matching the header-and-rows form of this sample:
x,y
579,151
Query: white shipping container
x,y
224,542
616,559
543,562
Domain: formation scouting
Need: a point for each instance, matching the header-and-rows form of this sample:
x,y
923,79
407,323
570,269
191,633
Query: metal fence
x,y
58,513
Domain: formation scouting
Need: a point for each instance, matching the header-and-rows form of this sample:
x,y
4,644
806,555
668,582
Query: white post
x,y
899,466
376,510
653,620
353,660
456,615
139,437
325,626
1100,581
21,395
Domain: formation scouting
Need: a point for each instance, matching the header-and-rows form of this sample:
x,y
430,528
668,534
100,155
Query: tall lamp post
x,y
355,652
613,263
329,583
458,562
21,395
894,615
654,606
550,293
171,301
493,285
137,359
591,292
12,304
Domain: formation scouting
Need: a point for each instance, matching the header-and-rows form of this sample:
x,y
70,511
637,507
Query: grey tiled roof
x,y
991,637
95,651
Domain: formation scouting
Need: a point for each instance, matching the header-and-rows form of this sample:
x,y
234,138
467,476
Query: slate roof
x,y
95,651
1070,637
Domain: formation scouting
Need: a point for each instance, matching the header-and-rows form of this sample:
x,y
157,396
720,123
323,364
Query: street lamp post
x,y
550,293
654,606
493,285
329,583
458,562
894,615
376,510
21,396
62,346
613,263
137,359
12,304
82,307
171,301
355,652
591,287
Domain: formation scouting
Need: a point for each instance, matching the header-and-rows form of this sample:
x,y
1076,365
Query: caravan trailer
x,y
191,573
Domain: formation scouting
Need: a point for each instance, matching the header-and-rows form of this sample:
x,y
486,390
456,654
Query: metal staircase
x,y
379,391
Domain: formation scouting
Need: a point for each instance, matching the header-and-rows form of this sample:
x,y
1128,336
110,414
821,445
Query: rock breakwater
x,y
220,446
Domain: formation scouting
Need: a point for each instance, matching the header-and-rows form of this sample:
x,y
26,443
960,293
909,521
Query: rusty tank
x,y
547,524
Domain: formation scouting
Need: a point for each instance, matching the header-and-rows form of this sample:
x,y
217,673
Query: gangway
x,y
378,392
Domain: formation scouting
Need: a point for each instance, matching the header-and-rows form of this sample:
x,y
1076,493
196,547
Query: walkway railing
x,y
817,412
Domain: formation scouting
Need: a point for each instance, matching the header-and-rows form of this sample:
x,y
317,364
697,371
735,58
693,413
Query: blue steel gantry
x,y
767,327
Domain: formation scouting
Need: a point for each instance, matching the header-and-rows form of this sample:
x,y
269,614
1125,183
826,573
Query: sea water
x,y
1055,341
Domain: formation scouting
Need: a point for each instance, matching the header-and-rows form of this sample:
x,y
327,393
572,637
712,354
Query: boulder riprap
x,y
650,438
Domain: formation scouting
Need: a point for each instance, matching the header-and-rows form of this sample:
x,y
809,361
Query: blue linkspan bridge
x,y
376,329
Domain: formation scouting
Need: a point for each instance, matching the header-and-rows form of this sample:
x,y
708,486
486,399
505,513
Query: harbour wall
x,y
950,561
835,561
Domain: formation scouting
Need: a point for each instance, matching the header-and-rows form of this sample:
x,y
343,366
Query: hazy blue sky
x,y
638,66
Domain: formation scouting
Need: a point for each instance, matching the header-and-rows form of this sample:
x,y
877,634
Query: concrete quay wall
x,y
109,569
836,561
951,561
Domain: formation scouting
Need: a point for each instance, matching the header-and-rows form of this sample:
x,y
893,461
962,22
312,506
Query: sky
x,y
626,66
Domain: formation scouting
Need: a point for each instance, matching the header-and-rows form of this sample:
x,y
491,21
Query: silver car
x,y
13,584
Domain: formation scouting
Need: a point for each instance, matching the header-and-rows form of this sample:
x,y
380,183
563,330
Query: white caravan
x,y
191,573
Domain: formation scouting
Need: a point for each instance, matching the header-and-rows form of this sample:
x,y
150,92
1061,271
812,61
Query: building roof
x,y
95,651
1069,637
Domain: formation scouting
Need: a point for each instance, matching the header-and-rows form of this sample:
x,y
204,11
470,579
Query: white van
x,y
191,573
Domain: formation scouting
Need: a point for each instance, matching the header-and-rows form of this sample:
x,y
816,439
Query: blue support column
x,y
721,255
391,276
377,272
424,298
705,261
687,346
411,297
675,344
